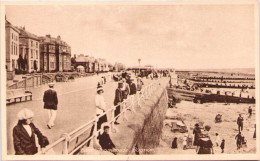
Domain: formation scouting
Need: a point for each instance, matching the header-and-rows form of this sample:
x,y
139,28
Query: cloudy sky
x,y
179,36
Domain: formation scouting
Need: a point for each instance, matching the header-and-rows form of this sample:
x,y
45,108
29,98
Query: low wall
x,y
143,127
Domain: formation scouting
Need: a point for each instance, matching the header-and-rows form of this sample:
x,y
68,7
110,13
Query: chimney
x,y
49,36
58,37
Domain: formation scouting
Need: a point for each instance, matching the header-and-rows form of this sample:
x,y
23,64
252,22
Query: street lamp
x,y
139,60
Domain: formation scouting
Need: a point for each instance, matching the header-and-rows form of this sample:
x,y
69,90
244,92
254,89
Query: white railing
x,y
70,143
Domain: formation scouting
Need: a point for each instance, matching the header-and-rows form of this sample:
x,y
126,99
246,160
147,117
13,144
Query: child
x,y
184,143
217,140
174,143
222,146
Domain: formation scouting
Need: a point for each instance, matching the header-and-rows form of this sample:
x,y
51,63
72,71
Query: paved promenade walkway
x,y
76,107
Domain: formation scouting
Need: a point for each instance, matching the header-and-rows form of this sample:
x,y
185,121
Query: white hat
x,y
100,88
51,84
24,114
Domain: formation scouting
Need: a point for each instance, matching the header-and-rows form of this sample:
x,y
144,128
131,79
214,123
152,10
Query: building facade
x,y
12,49
55,54
30,44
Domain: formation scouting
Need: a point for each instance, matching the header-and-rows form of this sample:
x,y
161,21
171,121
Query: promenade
x,y
76,107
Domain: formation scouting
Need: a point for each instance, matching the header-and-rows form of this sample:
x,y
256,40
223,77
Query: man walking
x,y
240,120
50,100
118,99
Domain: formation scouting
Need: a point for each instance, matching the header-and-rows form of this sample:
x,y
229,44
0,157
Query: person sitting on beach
x,y
106,142
218,118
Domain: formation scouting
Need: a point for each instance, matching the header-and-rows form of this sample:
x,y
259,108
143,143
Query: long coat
x,y
132,89
105,142
118,96
25,144
50,99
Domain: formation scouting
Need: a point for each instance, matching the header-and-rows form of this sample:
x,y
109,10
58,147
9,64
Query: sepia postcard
x,y
130,80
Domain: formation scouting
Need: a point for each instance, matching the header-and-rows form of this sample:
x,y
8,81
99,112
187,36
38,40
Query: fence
x,y
28,81
71,143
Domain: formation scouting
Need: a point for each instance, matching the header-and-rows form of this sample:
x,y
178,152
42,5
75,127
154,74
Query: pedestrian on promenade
x,y
106,142
250,110
240,121
184,142
196,132
100,107
222,146
24,134
140,83
238,139
125,89
50,100
118,99
132,87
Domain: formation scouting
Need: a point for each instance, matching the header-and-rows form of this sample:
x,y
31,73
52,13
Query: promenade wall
x,y
142,131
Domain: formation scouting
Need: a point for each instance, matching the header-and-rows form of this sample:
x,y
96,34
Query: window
x,y
31,64
12,35
31,53
32,43
52,64
36,54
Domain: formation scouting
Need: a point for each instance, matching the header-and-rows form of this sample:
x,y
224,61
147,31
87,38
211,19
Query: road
x,y
76,107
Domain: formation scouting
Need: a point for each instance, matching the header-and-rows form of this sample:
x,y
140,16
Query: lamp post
x,y
139,60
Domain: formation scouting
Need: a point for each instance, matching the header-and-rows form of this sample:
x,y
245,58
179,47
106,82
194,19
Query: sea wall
x,y
141,133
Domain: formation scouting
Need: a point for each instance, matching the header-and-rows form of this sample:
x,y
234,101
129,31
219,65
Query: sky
x,y
176,36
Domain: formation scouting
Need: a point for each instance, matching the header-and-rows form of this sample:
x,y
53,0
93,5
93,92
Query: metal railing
x,y
70,143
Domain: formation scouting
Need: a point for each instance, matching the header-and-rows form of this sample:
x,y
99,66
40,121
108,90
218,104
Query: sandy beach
x,y
192,113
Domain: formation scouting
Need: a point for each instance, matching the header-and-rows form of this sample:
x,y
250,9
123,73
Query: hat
x,y
120,82
100,88
51,84
196,124
24,114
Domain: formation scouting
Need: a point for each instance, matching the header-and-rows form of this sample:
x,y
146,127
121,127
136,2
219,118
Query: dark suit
x,y
132,89
105,142
25,144
118,99
50,99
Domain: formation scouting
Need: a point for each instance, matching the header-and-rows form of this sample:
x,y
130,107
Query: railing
x,y
70,143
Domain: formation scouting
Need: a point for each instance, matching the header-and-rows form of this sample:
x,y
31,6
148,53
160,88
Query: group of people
x,y
125,88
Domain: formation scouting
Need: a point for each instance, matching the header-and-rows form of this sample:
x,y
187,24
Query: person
x,y
184,143
222,146
132,87
205,146
238,139
139,84
100,107
174,143
250,111
254,136
50,100
106,142
118,99
24,134
240,120
218,118
196,132
217,139
125,89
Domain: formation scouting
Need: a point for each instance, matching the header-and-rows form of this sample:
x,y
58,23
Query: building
x,y
55,54
86,61
12,49
30,46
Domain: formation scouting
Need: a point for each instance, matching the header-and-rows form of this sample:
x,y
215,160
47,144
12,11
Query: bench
x,y
17,95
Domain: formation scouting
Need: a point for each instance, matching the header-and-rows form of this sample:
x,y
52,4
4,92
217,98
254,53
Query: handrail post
x,y
124,110
113,129
95,133
65,143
